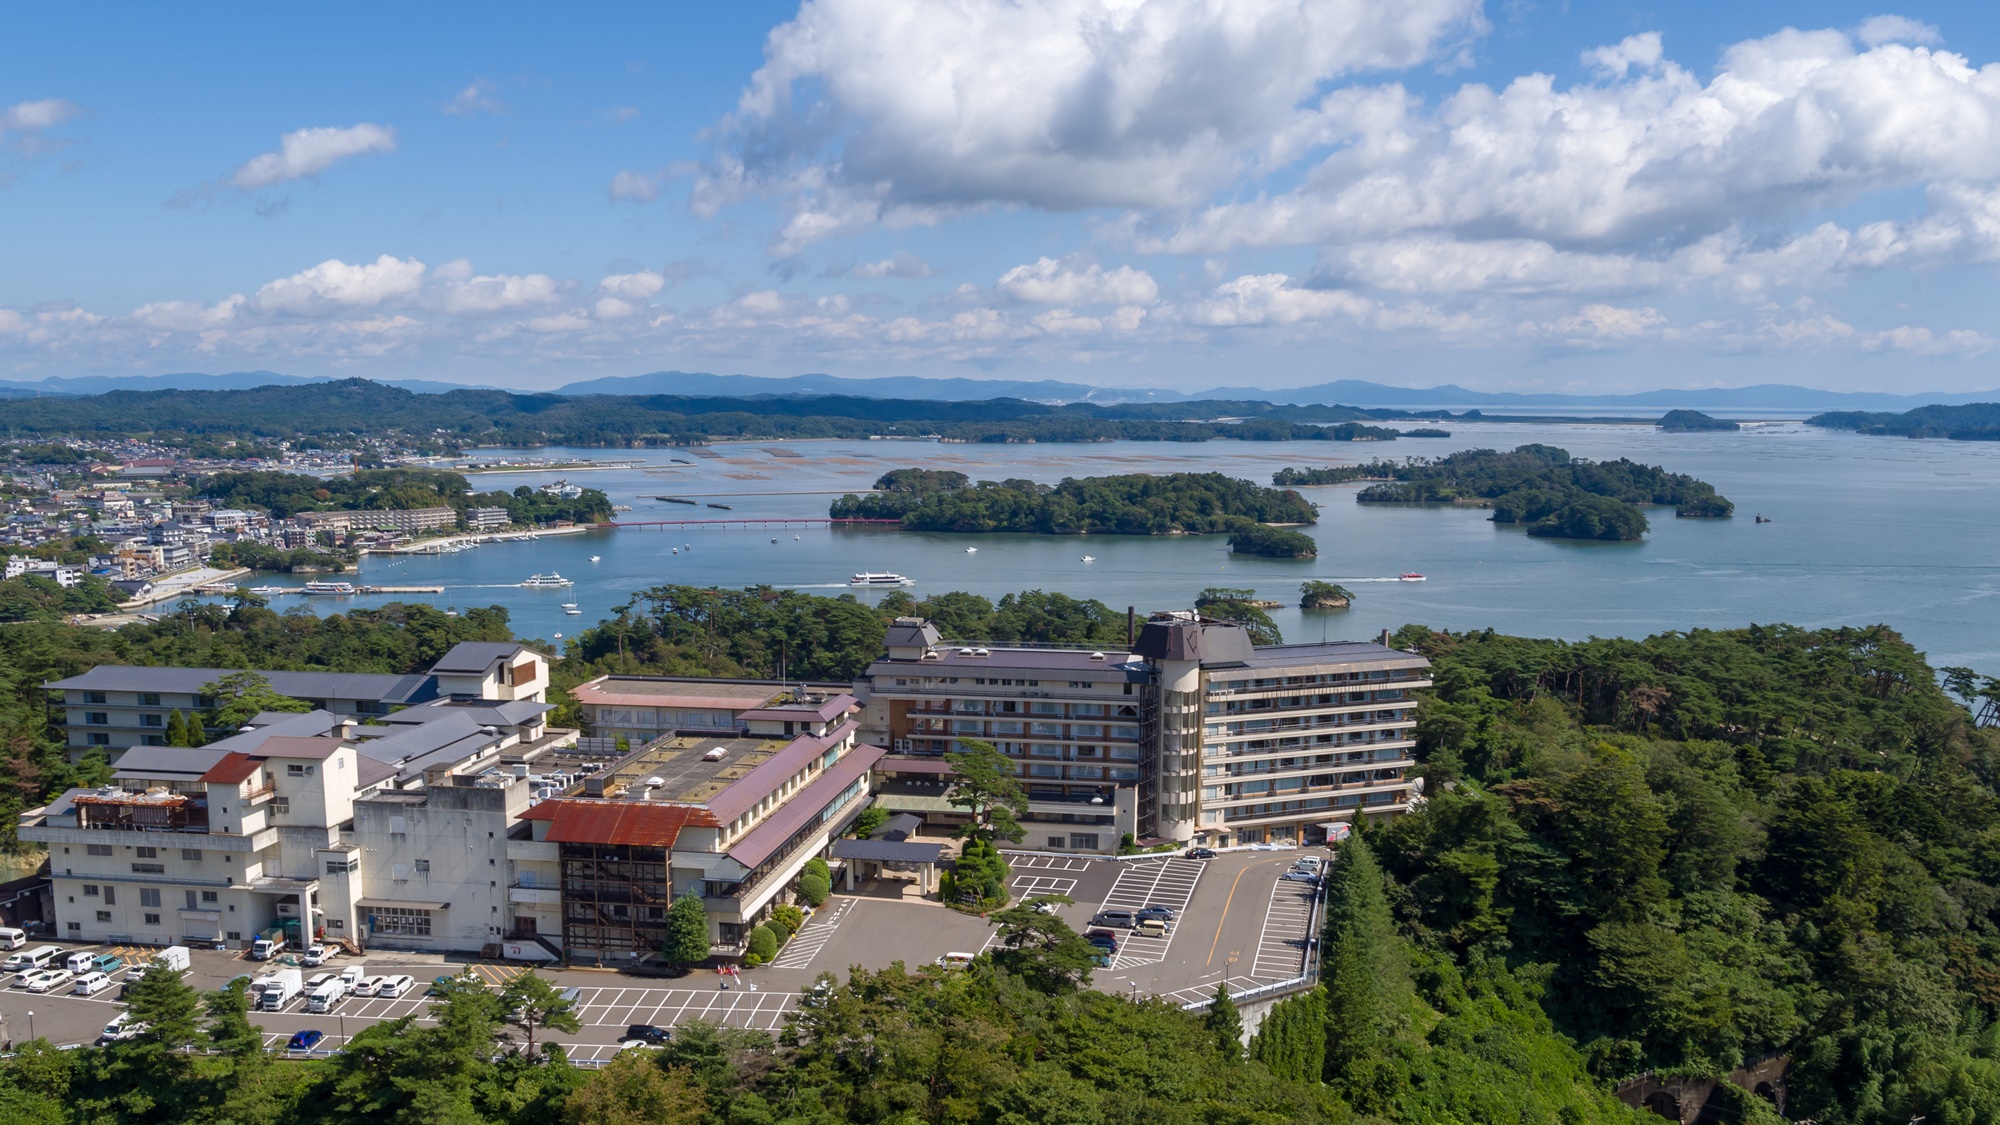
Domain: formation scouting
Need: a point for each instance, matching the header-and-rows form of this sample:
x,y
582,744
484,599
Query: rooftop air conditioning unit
x,y
715,755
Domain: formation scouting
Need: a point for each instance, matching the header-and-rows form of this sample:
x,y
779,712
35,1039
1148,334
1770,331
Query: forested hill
x,y
1718,846
1134,504
357,407
1974,421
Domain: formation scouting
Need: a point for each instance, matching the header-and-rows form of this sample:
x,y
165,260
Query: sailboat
x,y
1090,558
972,550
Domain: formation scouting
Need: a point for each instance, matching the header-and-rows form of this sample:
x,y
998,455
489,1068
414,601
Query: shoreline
x,y
182,585
425,546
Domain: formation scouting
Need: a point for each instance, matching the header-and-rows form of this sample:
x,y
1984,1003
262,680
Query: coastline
x,y
425,546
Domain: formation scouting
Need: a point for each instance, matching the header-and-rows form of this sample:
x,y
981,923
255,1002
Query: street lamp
x,y
31,1025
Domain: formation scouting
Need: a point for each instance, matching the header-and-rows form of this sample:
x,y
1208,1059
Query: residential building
x,y
115,706
407,520
62,574
487,519
640,709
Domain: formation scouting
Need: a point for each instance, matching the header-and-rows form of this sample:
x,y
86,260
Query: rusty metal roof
x,y
592,821
233,769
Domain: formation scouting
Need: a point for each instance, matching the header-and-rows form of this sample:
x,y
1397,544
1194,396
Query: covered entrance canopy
x,y
898,854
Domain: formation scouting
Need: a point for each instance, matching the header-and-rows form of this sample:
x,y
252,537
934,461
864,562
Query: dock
x,y
399,589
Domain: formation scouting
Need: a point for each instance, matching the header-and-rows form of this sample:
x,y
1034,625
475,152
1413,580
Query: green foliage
x,y
761,946
1315,594
1138,504
1271,542
817,866
686,942
1225,604
263,556
984,784
868,822
980,876
633,1090
790,917
1225,1023
1587,517
922,480
1973,421
1042,949
1365,968
1689,421
532,1004
242,696
1292,1038
814,889
32,597
367,490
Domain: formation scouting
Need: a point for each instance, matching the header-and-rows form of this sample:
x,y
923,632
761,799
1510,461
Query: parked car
x,y
1307,863
1100,958
90,984
1150,927
956,960
314,982
1298,876
43,980
1162,913
1102,939
317,954
1199,853
646,1032
1120,919
397,985
369,986
1043,906
304,1040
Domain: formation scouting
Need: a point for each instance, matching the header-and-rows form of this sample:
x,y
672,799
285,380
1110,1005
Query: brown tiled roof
x,y
233,769
592,821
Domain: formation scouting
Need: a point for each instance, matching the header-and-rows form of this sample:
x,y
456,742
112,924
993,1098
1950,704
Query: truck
x,y
173,958
327,996
282,987
268,944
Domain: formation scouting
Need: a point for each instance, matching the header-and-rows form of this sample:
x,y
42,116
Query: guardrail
x,y
1304,982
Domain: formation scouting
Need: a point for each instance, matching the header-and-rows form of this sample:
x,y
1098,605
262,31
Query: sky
x,y
1522,195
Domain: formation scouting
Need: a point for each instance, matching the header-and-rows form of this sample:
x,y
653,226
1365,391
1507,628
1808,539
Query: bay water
x,y
1863,530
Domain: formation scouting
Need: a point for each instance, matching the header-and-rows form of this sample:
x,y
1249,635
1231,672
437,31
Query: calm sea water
x,y
1865,530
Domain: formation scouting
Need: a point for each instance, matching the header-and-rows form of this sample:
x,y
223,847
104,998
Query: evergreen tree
x,y
177,732
1366,972
1292,1039
533,1004
1225,1023
687,931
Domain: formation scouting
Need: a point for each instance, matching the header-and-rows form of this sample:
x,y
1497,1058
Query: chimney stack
x,y
1131,627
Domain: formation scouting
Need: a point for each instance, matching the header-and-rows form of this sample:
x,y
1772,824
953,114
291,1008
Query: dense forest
x,y
1974,421
1135,504
1693,421
1540,486
337,413
287,494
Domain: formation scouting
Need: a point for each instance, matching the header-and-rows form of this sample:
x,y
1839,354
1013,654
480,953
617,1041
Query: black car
x,y
1163,913
1199,853
646,1032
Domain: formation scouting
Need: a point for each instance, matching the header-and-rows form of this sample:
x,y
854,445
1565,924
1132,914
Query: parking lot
x,y
1234,919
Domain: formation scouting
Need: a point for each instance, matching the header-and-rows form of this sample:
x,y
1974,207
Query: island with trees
x,y
1972,421
1134,504
1223,603
1694,421
287,494
1540,487
1315,594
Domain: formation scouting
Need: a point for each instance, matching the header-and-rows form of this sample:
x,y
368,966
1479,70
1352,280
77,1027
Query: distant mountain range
x,y
1347,392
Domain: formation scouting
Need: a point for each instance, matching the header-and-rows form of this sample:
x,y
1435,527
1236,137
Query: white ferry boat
x,y
329,587
871,578
551,580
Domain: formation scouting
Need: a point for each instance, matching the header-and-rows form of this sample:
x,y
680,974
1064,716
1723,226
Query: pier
x,y
399,589
758,521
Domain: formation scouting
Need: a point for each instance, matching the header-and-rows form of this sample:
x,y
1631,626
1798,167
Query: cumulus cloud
x,y
1642,51
1076,281
1877,30
335,285
1791,122
308,152
1058,104
480,96
457,290
32,117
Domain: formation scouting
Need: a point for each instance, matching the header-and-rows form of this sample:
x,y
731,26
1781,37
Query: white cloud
x,y
1058,104
1077,281
480,96
1790,123
31,117
308,152
1877,30
1259,299
335,285
458,291
904,265
637,187
1642,51
189,316
632,286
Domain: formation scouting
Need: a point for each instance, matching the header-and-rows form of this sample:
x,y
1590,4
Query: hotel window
x,y
97,849
149,896
93,697
152,919
104,916
90,890
97,718
401,921
192,855
147,853
423,867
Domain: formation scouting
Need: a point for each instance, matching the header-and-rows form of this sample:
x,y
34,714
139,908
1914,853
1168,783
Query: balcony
x,y
534,896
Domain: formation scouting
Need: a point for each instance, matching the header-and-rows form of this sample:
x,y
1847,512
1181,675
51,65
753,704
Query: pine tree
x,y
1225,1023
687,931
177,731
1366,971
1292,1039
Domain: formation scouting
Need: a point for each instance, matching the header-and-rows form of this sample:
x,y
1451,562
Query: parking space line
x,y
1281,944
806,944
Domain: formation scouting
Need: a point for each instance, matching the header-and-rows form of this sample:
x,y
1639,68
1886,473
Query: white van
x,y
90,984
31,959
11,938
396,985
955,960
80,963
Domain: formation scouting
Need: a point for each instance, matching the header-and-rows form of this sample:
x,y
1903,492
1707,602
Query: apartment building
x,y
729,818
406,520
640,709
487,519
1193,736
114,706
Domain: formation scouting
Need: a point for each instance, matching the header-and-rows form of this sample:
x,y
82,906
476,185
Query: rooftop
x,y
686,694
474,657
1107,665
684,769
1366,653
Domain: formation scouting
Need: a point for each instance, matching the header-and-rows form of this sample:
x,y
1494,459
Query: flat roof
x,y
1072,663
1265,658
299,685
685,694
685,772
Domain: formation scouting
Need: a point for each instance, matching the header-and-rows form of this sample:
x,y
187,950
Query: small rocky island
x,y
1324,595
1693,421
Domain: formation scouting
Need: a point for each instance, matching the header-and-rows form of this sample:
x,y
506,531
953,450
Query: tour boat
x,y
1412,576
1090,558
597,558
871,578
972,550
270,589
329,587
551,580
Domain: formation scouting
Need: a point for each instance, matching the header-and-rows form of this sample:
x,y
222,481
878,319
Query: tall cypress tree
x,y
1226,1023
1292,1038
1366,969
177,731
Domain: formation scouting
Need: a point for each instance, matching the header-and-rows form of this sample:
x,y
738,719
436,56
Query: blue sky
x,y
1262,193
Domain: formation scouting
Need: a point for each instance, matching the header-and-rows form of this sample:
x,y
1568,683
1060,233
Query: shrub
x,y
817,866
779,930
791,917
871,818
762,946
814,889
